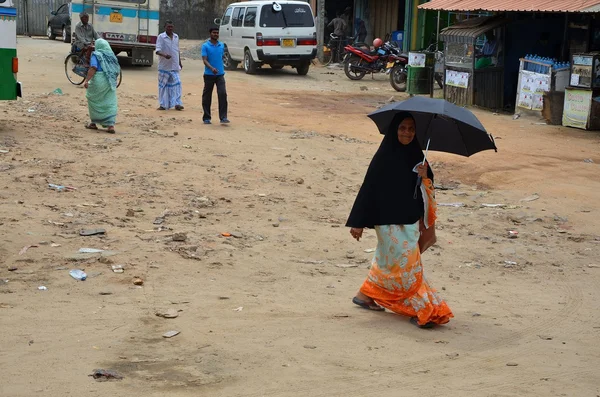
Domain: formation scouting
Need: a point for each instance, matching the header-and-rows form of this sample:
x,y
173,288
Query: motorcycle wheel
x,y
398,78
353,74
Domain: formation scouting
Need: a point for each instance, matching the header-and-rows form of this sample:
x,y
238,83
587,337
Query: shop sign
x,y
457,79
577,108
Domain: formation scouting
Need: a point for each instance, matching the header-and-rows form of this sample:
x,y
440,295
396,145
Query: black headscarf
x,y
386,196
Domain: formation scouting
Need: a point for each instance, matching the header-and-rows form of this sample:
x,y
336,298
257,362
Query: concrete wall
x,y
192,18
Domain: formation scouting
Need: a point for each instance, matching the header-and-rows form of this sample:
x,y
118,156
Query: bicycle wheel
x,y
74,69
120,78
327,56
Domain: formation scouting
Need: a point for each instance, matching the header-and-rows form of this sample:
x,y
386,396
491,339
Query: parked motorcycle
x,y
359,61
398,73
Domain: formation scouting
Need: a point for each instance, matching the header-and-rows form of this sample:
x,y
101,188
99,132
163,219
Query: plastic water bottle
x,y
78,274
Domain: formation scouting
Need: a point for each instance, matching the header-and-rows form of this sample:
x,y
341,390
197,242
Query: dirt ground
x,y
267,311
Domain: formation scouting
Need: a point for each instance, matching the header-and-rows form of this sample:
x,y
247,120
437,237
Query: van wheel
x,y
50,34
228,62
249,65
302,69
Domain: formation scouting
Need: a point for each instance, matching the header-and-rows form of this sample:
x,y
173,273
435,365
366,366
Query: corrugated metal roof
x,y
514,5
467,31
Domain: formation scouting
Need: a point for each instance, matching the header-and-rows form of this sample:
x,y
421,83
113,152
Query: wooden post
x,y
320,28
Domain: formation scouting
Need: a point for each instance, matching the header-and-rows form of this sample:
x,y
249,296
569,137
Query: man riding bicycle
x,y
85,34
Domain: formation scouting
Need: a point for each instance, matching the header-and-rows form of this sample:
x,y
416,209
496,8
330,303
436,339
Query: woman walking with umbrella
x,y
386,202
397,200
101,84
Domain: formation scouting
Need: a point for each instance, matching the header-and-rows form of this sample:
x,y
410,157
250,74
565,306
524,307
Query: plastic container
x,y
78,274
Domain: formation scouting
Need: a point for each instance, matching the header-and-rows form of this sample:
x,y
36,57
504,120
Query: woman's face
x,y
406,131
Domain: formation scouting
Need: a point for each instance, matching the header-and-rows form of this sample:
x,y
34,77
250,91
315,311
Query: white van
x,y
268,32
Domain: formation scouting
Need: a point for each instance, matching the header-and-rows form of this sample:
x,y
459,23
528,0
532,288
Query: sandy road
x,y
282,177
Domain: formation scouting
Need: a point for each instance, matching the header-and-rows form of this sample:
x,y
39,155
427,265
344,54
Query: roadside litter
x,y
91,232
78,274
103,375
60,188
90,250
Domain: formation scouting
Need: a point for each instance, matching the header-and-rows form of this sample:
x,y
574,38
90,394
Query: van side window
x,y
238,16
250,19
226,16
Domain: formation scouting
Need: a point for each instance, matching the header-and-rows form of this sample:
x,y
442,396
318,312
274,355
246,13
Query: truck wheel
x,y
50,34
302,69
249,65
228,62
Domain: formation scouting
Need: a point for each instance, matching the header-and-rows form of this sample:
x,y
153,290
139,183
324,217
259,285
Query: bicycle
x,y
331,54
439,63
77,67
335,48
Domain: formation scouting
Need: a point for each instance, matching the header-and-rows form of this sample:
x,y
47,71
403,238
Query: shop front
x,y
474,62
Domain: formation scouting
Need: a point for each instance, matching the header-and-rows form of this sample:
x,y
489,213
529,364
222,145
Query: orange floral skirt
x,y
396,279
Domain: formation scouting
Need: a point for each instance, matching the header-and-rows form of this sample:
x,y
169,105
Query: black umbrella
x,y
445,126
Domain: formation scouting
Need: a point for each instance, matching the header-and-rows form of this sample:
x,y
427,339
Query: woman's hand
x,y
86,84
422,170
356,233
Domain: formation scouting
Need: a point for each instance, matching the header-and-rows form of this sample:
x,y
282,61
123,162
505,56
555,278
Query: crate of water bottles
x,y
537,76
543,65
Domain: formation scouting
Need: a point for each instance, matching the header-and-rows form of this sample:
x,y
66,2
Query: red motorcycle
x,y
360,61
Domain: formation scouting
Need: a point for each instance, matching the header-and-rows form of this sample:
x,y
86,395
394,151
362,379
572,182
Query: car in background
x,y
59,24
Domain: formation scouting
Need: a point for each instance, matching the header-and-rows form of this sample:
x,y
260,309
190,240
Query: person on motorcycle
x,y
85,34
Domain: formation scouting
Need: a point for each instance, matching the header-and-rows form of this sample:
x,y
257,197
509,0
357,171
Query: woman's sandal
x,y
111,131
367,305
91,126
414,321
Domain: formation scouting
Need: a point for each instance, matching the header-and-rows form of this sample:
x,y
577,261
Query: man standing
x,y
339,26
85,34
169,66
214,74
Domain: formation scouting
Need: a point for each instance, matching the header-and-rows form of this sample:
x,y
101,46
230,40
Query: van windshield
x,y
291,15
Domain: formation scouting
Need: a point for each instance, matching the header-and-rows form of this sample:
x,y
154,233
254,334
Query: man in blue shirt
x,y
214,74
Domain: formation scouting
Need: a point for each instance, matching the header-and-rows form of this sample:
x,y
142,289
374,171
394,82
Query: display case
x,y
585,70
459,55
533,85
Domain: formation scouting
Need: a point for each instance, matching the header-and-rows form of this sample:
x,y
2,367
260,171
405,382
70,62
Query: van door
x,y
225,28
249,30
237,23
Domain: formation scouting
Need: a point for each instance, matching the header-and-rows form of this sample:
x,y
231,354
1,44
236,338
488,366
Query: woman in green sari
x,y
101,85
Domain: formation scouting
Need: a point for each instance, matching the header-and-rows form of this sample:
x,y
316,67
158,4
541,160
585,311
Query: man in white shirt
x,y
169,66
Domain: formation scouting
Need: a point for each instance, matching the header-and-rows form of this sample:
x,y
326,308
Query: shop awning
x,y
468,30
513,5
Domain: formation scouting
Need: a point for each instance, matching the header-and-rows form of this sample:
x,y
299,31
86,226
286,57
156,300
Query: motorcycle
x,y
359,61
398,73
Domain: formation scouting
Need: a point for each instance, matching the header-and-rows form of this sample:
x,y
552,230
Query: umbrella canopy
x,y
449,128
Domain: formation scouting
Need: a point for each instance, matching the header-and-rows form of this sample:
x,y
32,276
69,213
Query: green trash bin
x,y
418,80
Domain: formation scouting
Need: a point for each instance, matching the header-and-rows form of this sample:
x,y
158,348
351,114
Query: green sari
x,y
102,88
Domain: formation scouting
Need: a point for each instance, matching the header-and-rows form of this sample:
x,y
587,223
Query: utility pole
x,y
320,28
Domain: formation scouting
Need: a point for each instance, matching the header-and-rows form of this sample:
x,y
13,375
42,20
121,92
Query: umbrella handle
x,y
419,180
